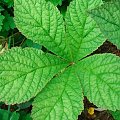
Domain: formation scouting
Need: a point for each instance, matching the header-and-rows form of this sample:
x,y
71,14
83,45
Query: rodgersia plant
x,y
59,81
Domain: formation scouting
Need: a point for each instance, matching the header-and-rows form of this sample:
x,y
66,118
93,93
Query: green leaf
x,y
28,117
62,98
24,116
56,2
116,115
24,72
25,105
7,115
41,22
1,8
30,43
15,116
1,21
4,114
9,2
100,77
8,22
83,34
108,19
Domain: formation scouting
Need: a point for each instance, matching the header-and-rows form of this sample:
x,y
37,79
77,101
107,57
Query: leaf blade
x,y
24,72
83,34
108,19
41,22
1,21
56,2
100,79
62,99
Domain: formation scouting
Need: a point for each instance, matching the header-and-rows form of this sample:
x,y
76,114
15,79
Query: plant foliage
x,y
6,20
60,79
108,19
116,115
1,21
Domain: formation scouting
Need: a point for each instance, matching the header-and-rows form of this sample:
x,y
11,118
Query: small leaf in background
x,y
14,116
4,114
8,22
1,21
116,114
28,117
1,103
9,2
24,116
30,43
25,105
1,8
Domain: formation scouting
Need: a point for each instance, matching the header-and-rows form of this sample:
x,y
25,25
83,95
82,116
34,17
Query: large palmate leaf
x,y
58,85
61,99
83,34
108,19
41,22
100,77
24,72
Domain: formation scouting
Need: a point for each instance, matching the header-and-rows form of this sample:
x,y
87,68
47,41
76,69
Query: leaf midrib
x,y
58,97
29,72
52,39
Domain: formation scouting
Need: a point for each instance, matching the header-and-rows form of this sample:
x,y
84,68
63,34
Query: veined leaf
x,y
100,77
83,34
108,19
62,98
24,72
41,22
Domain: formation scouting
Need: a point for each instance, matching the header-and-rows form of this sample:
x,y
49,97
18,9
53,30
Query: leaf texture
x,y
41,22
62,98
100,77
56,2
24,72
83,34
108,19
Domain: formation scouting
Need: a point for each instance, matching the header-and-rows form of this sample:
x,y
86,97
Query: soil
x,y
98,114
107,47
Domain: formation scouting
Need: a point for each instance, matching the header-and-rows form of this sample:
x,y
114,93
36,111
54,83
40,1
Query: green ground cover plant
x,y
59,79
